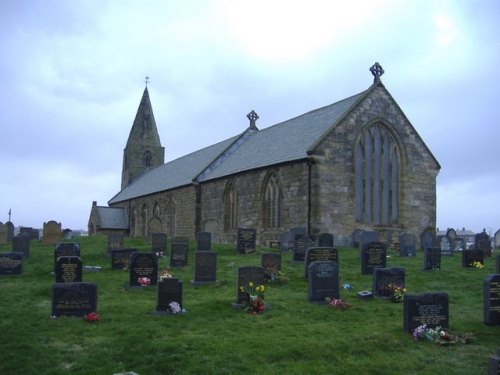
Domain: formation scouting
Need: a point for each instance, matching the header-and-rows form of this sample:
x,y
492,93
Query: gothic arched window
x,y
377,176
144,220
230,207
272,202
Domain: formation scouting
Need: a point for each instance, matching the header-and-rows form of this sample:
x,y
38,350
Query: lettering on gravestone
x,y
247,274
74,299
323,281
179,250
430,309
120,258
373,255
300,245
205,267
432,258
491,299
246,240
68,269
11,263
320,254
143,265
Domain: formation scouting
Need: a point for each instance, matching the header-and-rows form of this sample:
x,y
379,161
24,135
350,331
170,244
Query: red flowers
x,y
92,317
144,281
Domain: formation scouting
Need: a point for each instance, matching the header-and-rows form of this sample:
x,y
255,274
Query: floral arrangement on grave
x,y
273,274
395,291
440,336
174,308
92,317
159,254
255,302
346,286
166,274
144,281
337,304
477,264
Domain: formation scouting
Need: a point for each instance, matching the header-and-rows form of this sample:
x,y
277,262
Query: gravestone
x,y
205,267
407,245
3,234
51,232
169,290
432,258
494,364
159,243
325,240
179,250
120,258
33,234
68,269
373,255
300,245
491,299
323,281
446,245
115,242
393,239
320,254
367,237
451,233
245,275
271,263
498,264
21,244
67,234
482,241
10,230
383,278
287,238
427,239
459,244
11,263
62,249
356,238
496,237
203,241
143,265
74,299
430,309
471,256
245,240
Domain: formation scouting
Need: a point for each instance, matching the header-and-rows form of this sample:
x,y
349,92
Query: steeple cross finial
x,y
147,80
253,117
377,71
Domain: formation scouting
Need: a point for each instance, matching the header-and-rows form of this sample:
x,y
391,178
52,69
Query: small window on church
x,y
230,208
147,159
376,177
272,203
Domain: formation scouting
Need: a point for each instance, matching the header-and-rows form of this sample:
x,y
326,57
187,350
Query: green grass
x,y
293,337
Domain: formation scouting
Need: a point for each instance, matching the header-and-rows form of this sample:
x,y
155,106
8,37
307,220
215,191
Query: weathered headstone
x,y
323,281
482,241
271,262
471,256
51,232
446,245
248,274
68,269
3,234
432,258
115,242
21,244
325,240
320,254
11,263
159,243
245,240
205,267
287,238
33,234
169,290
385,279
300,245
74,299
427,239
179,251
120,258
62,249
430,309
373,255
407,245
143,265
459,244
491,299
203,241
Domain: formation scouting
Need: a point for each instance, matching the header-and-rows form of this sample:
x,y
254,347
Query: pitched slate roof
x,y
111,218
283,142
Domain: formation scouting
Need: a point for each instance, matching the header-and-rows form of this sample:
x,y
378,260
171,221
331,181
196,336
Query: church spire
x,y
143,149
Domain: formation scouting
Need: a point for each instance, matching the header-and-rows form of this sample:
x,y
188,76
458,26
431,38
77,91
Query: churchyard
x,y
295,334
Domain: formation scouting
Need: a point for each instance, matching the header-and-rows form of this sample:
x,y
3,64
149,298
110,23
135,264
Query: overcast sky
x,y
72,75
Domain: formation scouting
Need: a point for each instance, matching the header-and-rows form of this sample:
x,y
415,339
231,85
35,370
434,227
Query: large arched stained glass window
x,y
377,176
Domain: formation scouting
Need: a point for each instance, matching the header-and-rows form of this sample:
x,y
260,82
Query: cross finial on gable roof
x,y
253,117
377,71
147,80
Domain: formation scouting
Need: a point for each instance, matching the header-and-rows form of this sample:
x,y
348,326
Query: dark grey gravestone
x,y
10,230
159,243
356,237
21,244
494,364
432,258
325,240
491,299
169,290
459,244
367,237
245,275
245,240
430,309
427,239
66,249
323,281
446,245
120,258
498,264
143,265
11,263
203,241
74,299
287,238
115,242
68,269
320,254
179,251
471,256
384,277
205,267
300,245
271,262
33,234
482,241
407,245
373,255
3,234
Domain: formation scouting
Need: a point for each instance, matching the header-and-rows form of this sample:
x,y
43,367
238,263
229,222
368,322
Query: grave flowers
x,y
255,304
174,308
273,274
395,291
440,336
144,281
92,317
477,264
167,274
337,304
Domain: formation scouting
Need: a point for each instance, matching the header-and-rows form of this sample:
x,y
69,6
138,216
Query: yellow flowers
x,y
252,289
477,264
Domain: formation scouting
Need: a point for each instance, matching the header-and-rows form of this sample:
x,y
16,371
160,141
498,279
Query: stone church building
x,y
354,164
